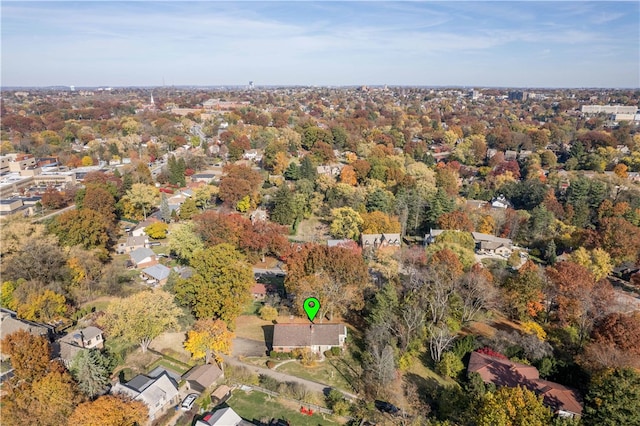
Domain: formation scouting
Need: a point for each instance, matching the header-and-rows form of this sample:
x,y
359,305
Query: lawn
x,y
259,406
323,372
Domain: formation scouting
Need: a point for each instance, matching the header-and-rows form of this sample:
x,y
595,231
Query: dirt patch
x,y
138,361
269,263
172,345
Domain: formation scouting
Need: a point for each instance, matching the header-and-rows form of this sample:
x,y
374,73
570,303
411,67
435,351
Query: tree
x,y
143,197
597,261
29,354
90,369
157,230
165,210
346,223
613,398
620,239
39,259
44,307
220,287
99,199
81,227
283,211
209,338
377,222
204,195
188,209
580,300
332,274
110,410
348,176
142,317
508,406
52,199
184,241
456,220
523,292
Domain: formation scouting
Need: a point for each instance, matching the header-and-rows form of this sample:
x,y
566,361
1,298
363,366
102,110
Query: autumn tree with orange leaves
x,y
110,410
579,299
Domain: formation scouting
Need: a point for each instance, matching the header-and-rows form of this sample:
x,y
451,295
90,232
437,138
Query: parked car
x,y
188,401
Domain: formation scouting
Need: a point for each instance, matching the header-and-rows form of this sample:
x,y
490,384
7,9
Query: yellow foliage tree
x,y
597,261
486,225
512,407
532,327
44,306
209,338
87,161
377,222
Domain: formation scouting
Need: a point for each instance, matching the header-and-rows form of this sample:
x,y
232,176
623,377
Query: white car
x,y
187,402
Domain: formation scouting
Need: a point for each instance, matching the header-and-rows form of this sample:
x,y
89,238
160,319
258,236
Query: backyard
x,y
256,405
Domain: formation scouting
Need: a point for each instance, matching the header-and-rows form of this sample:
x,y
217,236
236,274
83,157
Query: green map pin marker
x,y
311,307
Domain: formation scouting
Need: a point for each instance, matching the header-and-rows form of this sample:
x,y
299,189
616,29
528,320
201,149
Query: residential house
x,y
502,372
259,291
143,257
139,229
202,377
330,169
500,202
316,337
204,177
10,323
491,244
258,215
223,417
77,341
132,243
158,393
156,274
377,241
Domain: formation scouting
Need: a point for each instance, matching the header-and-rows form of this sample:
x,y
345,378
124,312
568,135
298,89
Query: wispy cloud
x,y
382,39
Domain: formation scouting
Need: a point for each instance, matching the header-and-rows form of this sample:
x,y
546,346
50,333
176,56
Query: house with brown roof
x,y
564,401
316,337
202,377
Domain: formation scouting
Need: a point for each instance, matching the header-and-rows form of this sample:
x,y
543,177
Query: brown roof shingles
x,y
503,372
303,335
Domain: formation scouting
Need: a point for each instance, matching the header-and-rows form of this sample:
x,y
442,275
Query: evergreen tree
x,y
90,370
308,169
165,210
283,211
188,209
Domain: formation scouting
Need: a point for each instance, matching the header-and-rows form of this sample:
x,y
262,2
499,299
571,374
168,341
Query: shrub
x,y
268,313
463,346
280,355
269,382
306,357
450,365
532,327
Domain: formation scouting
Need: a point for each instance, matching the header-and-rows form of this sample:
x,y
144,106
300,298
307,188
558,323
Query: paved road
x,y
272,271
283,377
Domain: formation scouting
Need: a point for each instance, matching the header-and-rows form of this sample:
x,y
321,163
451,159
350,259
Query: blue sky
x,y
143,43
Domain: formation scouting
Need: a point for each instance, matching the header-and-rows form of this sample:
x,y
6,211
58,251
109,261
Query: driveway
x,y
248,347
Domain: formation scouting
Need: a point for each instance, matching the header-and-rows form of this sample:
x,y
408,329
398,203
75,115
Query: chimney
x,y
81,338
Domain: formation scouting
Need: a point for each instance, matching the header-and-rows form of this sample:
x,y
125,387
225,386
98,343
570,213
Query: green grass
x,y
257,405
172,365
323,372
252,308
